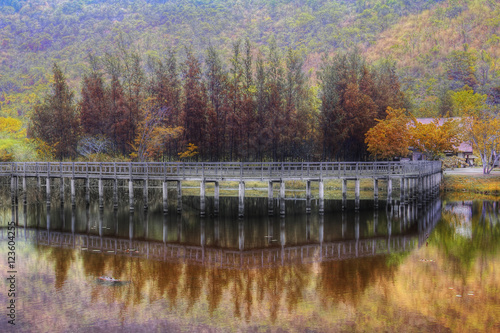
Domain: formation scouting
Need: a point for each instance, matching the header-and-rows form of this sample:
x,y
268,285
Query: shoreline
x,y
471,180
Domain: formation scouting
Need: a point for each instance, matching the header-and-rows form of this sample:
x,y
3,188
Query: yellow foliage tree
x,y
390,137
12,127
435,138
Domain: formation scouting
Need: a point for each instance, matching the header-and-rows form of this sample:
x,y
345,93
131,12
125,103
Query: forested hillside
x,y
435,47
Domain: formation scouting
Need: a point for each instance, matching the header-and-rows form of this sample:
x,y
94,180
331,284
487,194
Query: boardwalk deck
x,y
221,171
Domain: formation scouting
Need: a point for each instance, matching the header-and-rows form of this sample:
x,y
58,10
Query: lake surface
x,y
434,268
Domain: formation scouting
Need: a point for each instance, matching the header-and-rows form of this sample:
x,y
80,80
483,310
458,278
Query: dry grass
x,y
474,183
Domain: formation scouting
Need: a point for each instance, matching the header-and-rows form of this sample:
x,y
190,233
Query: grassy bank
x,y
472,183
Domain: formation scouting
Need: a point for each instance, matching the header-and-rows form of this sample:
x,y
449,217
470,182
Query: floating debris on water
x,y
459,295
451,288
470,294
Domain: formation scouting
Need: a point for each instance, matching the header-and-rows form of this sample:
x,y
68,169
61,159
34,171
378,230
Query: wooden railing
x,y
221,170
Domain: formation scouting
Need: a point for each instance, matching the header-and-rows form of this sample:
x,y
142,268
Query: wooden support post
x,y
375,193
165,197
216,198
241,199
270,206
344,193
202,198
131,194
389,191
73,192
179,196
321,197
356,195
308,197
282,198
146,194
101,193
47,185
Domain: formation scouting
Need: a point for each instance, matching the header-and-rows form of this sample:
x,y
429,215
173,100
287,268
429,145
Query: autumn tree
x,y
332,116
195,104
483,130
55,120
390,137
386,88
248,105
149,131
278,130
165,89
348,109
218,90
93,104
297,106
435,138
481,126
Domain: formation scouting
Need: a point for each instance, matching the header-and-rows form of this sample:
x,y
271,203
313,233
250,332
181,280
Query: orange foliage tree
x,y
390,137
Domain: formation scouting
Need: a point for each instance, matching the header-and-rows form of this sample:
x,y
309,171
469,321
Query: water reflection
x,y
309,271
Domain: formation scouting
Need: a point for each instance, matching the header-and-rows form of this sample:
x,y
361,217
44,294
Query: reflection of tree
x,y
166,276
194,278
218,280
345,281
63,259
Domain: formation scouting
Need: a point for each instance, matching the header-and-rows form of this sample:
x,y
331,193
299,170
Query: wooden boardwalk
x,y
418,181
222,171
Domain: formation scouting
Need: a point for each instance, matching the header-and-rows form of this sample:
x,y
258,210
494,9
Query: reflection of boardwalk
x,y
265,257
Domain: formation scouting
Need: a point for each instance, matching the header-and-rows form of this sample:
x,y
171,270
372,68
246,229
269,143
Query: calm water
x,y
435,268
